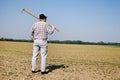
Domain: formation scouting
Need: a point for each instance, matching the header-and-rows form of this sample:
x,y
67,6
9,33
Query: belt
x,y
44,39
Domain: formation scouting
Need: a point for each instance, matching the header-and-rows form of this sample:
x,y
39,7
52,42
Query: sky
x,y
85,20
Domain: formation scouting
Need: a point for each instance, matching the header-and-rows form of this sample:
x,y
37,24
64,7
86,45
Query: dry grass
x,y
65,62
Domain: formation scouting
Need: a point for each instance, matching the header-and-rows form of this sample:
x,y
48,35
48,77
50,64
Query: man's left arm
x,y
32,32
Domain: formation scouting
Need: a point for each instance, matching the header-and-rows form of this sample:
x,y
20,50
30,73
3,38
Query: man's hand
x,y
53,28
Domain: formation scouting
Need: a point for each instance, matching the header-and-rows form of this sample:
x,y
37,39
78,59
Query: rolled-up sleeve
x,y
49,29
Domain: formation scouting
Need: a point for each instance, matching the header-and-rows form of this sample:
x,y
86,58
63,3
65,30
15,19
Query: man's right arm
x,y
50,29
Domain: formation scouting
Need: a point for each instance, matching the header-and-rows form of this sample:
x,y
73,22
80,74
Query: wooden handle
x,y
30,13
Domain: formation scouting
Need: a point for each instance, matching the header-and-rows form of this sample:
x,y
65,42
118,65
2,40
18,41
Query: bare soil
x,y
64,62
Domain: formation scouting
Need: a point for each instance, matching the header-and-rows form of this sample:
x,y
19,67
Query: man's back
x,y
41,30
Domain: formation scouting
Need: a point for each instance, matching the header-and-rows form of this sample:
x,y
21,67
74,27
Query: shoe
x,y
44,72
33,71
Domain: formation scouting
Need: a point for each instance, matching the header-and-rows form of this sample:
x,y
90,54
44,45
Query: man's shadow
x,y
52,67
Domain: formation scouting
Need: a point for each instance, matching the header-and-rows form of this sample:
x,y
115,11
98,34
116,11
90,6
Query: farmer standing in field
x,y
39,33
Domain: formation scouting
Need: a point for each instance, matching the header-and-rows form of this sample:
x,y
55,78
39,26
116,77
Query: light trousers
x,y
42,47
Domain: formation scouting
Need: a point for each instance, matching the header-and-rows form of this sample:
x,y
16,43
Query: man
x,y
39,33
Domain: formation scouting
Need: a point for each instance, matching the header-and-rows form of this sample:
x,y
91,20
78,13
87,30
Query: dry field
x,y
64,62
